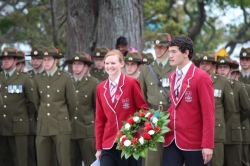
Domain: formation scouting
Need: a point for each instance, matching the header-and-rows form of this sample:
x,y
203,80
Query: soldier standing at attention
x,y
82,139
224,105
235,74
155,87
21,62
36,60
37,64
99,72
55,99
133,63
245,65
17,92
233,144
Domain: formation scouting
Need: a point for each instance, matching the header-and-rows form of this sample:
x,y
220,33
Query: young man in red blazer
x,y
114,108
191,139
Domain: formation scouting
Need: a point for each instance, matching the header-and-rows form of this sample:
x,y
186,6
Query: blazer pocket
x,y
59,94
219,132
20,126
89,122
236,133
245,133
85,98
64,124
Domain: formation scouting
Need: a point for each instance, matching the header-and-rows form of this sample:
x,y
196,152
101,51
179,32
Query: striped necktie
x,y
177,83
112,91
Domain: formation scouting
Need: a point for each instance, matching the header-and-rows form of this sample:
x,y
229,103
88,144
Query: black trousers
x,y
173,156
112,157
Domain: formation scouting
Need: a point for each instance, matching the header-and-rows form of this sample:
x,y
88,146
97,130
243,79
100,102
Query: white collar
x,y
185,68
116,80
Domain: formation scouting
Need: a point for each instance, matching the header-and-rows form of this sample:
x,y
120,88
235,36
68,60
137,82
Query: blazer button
x,y
243,127
48,104
48,114
4,106
76,108
48,95
77,91
21,120
160,102
48,86
4,115
6,87
219,125
31,119
5,96
92,121
75,117
66,117
160,91
238,127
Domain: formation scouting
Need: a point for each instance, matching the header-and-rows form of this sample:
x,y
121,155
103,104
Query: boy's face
x,y
176,57
223,70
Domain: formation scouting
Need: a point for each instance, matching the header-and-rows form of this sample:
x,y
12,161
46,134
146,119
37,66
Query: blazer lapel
x,y
107,95
13,77
186,82
156,68
3,79
119,90
55,77
78,85
214,78
172,82
166,69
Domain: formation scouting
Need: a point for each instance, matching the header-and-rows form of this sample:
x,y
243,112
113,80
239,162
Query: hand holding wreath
x,y
152,124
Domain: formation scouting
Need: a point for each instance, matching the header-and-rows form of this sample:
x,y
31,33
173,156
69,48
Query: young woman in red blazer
x,y
117,98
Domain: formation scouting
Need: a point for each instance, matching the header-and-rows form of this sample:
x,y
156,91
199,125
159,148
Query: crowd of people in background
x,y
52,117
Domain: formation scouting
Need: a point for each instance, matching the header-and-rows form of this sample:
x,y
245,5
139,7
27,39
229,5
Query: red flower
x,y
146,136
169,38
149,116
145,129
57,51
119,134
148,125
124,139
130,121
134,141
141,113
140,57
157,129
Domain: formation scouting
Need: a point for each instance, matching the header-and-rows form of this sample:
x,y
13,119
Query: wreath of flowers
x,y
152,124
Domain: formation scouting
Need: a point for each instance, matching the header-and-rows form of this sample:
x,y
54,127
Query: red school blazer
x,y
192,117
110,116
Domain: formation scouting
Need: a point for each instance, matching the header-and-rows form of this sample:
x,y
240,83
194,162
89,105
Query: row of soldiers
x,y
47,115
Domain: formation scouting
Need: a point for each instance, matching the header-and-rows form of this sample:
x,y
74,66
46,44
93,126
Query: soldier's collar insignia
x,y
222,61
46,53
76,58
98,54
244,54
130,58
5,53
17,73
145,60
35,52
59,73
157,42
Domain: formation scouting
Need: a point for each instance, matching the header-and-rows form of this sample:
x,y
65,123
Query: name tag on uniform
x,y
15,89
217,93
165,82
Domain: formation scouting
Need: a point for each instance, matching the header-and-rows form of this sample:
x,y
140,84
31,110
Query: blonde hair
x,y
115,52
